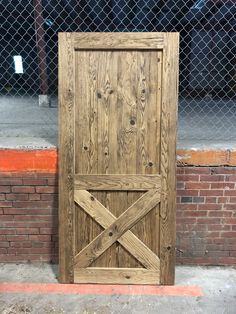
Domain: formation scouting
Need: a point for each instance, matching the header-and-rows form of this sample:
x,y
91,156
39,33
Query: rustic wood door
x,y
118,105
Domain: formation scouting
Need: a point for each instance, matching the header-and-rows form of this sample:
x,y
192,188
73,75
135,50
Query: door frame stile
x,y
66,161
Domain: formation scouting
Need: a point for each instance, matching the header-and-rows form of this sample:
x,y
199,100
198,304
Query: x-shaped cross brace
x,y
117,229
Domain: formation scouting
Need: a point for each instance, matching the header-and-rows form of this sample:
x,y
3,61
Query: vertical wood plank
x,y
106,99
66,161
127,136
168,158
86,136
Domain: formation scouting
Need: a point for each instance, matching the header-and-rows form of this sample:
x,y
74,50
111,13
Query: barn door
x,y
118,104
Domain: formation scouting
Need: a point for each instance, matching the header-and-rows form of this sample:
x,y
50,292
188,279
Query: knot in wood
x,y
110,234
92,198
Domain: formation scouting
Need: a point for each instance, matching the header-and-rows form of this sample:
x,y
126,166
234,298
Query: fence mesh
x,y
207,108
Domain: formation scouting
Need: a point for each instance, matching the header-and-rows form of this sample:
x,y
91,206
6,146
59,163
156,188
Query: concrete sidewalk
x,y
218,285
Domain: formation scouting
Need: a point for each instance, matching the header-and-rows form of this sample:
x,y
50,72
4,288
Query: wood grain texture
x,y
117,182
116,275
118,133
66,162
168,157
128,240
123,223
116,40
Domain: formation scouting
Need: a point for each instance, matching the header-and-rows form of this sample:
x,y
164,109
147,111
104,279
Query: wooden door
x,y
117,152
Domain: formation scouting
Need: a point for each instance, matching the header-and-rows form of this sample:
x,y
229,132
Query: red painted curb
x,y
12,160
54,288
17,160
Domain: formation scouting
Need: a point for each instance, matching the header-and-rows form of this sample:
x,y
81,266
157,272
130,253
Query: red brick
x,y
230,206
198,213
3,251
36,218
223,199
232,199
34,197
197,170
28,224
224,170
208,220
33,204
5,204
211,193
222,185
4,244
16,238
27,231
230,234
6,218
35,182
230,192
218,253
232,253
2,197
211,178
187,192
218,227
5,189
230,178
197,185
219,213
52,181
49,197
7,231
231,221
40,237
23,189
46,189
17,197
3,238
209,206
186,220
1,211
210,199
234,228
181,207
48,231
29,250
21,244
29,211
12,181
190,177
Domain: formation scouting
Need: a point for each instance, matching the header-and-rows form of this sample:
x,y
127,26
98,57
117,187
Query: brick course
x,y
206,216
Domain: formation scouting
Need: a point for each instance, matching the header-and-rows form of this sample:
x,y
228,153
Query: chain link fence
x,y
207,108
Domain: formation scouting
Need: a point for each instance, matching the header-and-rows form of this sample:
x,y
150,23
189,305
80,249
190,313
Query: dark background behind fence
x,y
207,50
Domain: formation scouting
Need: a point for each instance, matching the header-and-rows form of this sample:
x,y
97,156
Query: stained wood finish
x,y
117,182
118,113
128,240
117,276
111,234
66,151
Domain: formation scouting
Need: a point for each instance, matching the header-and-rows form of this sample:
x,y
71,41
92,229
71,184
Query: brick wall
x,y
28,217
206,216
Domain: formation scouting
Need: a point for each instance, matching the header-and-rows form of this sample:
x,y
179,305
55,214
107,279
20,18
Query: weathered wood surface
x,y
110,41
116,275
118,99
66,151
128,240
117,182
168,158
123,223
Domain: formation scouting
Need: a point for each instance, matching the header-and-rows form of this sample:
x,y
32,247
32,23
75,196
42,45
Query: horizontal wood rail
x,y
109,182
